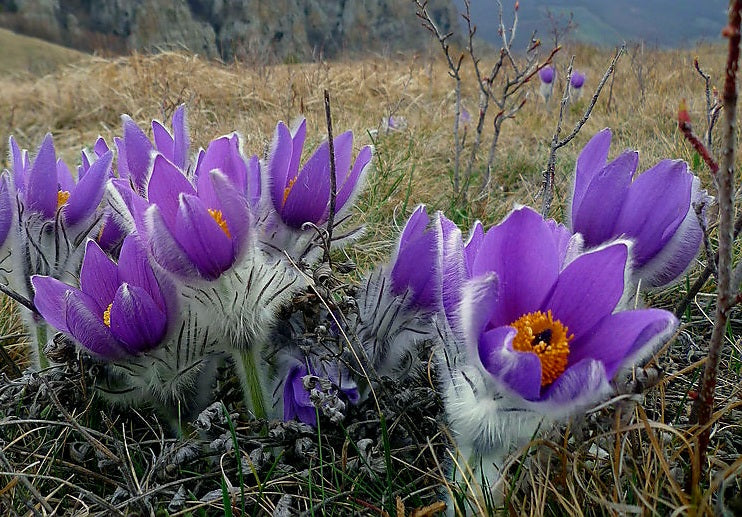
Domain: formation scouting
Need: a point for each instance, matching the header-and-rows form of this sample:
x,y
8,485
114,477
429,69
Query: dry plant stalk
x,y
725,297
547,185
508,95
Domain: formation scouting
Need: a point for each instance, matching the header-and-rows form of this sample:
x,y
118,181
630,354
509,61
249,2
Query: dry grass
x,y
627,458
23,55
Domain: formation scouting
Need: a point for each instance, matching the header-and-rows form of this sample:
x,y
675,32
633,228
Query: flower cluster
x,y
174,260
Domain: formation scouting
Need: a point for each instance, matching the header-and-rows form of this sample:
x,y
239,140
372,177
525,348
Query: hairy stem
x,y
252,382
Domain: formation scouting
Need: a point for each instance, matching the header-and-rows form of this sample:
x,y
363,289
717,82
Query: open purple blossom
x,y
119,310
547,335
302,194
655,209
192,230
546,74
46,185
302,383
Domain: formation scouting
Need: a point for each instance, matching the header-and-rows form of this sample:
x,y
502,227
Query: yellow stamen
x,y
62,197
107,315
547,338
219,218
288,189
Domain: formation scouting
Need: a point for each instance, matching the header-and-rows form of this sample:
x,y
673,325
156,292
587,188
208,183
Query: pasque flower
x,y
577,80
549,333
302,195
118,310
329,383
46,185
135,148
656,210
197,230
546,74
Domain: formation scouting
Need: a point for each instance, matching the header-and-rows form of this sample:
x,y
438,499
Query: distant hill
x,y
25,54
250,30
664,23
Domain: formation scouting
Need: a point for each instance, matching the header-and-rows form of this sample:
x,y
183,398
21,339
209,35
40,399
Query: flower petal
x,y
98,276
589,288
165,249
595,217
519,372
278,163
253,181
579,387
134,269
87,195
163,140
87,327
205,243
19,159
679,252
165,186
620,337
65,181
522,253
136,320
235,209
416,262
138,150
308,196
590,162
181,139
350,186
49,299
655,206
473,243
6,207
41,190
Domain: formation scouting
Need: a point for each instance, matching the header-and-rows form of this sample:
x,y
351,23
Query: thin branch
x,y
725,295
685,126
547,186
333,179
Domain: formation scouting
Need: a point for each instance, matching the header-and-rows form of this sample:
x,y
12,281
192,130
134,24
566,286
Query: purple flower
x,y
546,74
135,149
118,310
464,117
46,185
303,195
549,334
197,230
415,264
655,210
577,80
297,400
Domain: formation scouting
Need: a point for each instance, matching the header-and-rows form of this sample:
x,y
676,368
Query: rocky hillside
x,y
257,30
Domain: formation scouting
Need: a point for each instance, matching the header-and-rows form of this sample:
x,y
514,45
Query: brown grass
x,y
646,443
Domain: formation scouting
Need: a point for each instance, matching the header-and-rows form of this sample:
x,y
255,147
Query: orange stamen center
x,y
288,189
107,315
546,337
219,218
62,197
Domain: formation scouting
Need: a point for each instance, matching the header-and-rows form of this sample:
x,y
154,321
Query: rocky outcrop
x,y
231,29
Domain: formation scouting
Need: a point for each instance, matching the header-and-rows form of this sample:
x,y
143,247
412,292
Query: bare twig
x,y
725,295
713,106
333,179
687,129
454,70
10,293
26,483
547,185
